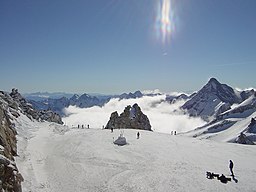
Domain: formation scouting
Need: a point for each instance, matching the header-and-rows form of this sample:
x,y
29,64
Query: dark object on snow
x,y
131,118
243,139
233,177
138,135
231,165
121,140
224,179
210,175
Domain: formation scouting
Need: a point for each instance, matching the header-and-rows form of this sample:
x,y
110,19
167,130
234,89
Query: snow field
x,y
55,158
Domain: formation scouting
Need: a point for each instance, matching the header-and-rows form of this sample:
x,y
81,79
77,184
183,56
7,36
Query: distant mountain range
x,y
58,101
220,105
40,96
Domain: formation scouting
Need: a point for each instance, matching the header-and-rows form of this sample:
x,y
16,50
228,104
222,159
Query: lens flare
x,y
164,20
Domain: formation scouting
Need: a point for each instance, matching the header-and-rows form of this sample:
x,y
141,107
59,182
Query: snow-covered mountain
x,y
174,98
40,96
213,99
230,113
83,101
136,94
55,157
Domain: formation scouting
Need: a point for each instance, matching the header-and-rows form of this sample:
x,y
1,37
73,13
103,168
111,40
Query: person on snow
x,y
231,165
138,135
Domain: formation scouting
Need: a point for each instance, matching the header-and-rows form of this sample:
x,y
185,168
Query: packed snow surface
x,y
55,158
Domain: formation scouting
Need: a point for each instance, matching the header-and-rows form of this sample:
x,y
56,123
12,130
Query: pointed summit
x,y
212,84
213,99
213,81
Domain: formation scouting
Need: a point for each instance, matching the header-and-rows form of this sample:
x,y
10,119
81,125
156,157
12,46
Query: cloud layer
x,y
164,117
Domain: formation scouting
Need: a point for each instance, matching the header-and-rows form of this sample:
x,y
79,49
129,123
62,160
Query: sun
x,y
164,23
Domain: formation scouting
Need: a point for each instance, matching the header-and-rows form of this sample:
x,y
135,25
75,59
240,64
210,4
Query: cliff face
x,y
11,106
10,178
45,115
131,118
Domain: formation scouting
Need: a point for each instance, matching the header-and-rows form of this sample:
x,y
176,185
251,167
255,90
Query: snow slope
x,y
228,125
55,158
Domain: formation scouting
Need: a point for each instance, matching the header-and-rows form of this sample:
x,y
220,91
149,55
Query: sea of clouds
x,y
163,116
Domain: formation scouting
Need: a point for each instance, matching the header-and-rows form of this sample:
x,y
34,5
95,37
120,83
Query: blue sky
x,y
111,46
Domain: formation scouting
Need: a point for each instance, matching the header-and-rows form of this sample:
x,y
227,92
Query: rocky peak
x,y
74,97
214,98
213,83
224,92
28,110
131,118
247,93
84,96
243,139
130,95
252,126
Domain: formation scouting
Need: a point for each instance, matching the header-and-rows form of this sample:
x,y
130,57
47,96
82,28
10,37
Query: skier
x,y
138,135
231,165
111,129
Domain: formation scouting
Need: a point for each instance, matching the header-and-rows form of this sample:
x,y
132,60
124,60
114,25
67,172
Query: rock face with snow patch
x,y
10,178
11,106
131,118
28,110
242,110
227,112
243,139
252,126
214,98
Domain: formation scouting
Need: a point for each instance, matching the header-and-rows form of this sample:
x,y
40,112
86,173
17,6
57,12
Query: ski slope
x,y
55,158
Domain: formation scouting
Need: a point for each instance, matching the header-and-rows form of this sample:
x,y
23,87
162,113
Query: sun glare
x,y
164,23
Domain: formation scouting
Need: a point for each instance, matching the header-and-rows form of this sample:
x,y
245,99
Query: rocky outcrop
x,y
10,178
27,109
243,139
252,126
131,118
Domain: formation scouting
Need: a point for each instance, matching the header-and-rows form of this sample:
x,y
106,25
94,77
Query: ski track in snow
x,y
53,158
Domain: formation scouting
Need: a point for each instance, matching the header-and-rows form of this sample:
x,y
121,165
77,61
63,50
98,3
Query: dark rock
x,y
131,118
10,178
27,109
243,139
